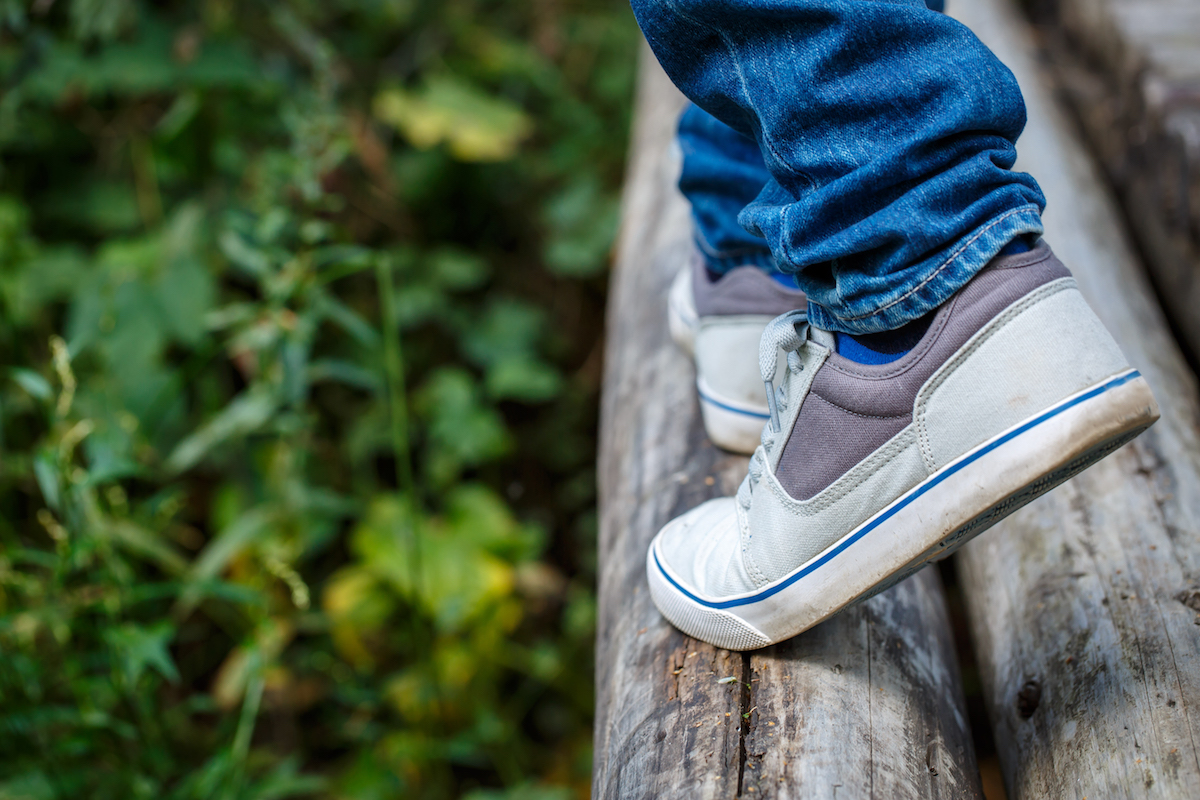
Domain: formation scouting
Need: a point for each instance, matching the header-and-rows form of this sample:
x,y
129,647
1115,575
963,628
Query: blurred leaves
x,y
474,125
462,430
505,343
258,266
137,648
452,566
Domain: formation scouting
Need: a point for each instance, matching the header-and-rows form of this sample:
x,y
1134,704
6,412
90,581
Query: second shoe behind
x,y
720,323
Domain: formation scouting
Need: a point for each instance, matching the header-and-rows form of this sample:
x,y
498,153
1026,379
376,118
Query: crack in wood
x,y
744,720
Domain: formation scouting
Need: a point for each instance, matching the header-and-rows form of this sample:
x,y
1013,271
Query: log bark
x,y
1083,606
868,704
1132,73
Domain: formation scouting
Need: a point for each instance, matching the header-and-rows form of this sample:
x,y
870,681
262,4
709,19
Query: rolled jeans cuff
x,y
944,274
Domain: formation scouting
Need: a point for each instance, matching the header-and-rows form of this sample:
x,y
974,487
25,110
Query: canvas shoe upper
x,y
720,323
866,473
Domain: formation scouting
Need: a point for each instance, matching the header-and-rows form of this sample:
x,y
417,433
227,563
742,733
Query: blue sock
x,y
883,347
888,346
785,278
1021,244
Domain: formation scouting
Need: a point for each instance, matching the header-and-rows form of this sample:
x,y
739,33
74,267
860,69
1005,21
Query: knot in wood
x,y
1028,699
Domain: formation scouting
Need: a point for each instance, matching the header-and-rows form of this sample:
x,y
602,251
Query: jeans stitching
x,y
943,265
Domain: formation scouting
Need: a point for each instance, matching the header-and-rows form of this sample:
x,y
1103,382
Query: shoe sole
x,y
730,424
929,522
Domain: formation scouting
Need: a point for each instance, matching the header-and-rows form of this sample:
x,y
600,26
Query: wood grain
x,y
1083,606
864,705
869,704
1131,69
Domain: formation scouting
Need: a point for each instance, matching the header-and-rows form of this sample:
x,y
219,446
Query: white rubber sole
x,y
730,424
927,523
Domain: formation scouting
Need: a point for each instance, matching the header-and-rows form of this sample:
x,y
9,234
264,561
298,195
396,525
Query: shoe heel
x,y
730,425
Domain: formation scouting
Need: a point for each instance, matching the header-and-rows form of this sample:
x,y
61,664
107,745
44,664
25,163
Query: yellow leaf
x,y
444,568
474,125
234,672
356,609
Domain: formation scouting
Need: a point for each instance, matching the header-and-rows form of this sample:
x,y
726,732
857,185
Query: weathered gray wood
x,y
1083,605
656,690
859,707
1132,70
868,704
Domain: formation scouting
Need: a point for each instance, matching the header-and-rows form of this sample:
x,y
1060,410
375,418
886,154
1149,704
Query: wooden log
x,y
869,704
1131,69
1083,606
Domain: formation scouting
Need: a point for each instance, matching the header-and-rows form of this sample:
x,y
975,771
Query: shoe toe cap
x,y
702,549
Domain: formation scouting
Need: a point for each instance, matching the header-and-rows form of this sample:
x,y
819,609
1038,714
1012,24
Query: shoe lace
x,y
787,332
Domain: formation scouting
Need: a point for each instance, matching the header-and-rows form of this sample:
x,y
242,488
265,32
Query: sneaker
x,y
868,472
720,323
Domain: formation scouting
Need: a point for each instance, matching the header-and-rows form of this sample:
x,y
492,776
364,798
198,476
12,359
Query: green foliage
x,y
299,314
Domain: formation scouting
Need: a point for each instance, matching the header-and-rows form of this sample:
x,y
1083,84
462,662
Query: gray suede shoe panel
x,y
743,290
812,443
852,409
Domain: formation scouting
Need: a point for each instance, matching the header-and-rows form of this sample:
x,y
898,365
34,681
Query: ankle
x,y
883,347
888,346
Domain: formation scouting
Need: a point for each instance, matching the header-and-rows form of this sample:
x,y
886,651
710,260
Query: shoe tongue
x,y
822,337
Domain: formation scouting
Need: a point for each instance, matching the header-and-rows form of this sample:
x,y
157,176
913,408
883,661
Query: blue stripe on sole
x,y
904,501
732,409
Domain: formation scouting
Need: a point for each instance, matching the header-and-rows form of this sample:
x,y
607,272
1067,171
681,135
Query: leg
x,y
729,288
723,172
887,129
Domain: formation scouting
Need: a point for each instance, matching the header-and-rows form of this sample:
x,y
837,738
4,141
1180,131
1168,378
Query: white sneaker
x,y
720,323
868,472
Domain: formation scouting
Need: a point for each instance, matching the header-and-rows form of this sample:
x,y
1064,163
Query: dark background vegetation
x,y
300,314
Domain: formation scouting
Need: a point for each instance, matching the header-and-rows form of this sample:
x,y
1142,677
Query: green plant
x,y
300,307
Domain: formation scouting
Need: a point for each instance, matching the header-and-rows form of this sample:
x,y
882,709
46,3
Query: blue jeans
x,y
723,171
885,133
